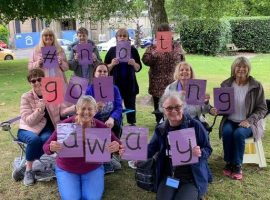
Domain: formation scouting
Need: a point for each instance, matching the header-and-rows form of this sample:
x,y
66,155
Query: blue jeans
x,y
88,186
233,137
34,142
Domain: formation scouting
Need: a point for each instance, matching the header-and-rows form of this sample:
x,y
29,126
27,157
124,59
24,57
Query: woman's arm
x,y
148,58
117,105
63,64
33,63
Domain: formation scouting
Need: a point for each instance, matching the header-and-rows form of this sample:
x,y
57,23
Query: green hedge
x,y
251,33
4,33
205,36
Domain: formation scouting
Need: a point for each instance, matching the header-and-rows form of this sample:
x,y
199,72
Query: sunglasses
x,y
171,108
35,80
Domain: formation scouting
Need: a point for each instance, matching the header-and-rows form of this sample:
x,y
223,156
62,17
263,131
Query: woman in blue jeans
x,y
246,121
38,121
76,178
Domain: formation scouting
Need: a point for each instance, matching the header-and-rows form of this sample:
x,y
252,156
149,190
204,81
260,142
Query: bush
x,y
205,36
4,33
251,33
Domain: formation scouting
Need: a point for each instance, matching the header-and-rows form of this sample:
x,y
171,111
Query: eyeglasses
x,y
171,108
102,71
35,80
122,36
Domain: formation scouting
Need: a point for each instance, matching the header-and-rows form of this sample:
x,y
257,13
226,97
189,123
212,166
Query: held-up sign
x,y
182,142
85,54
134,140
96,142
52,89
224,100
49,55
164,41
70,135
195,94
76,88
123,51
103,89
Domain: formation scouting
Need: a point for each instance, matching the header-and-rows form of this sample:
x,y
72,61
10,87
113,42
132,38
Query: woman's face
x,y
184,72
86,112
82,37
48,39
101,71
173,110
122,36
241,71
36,84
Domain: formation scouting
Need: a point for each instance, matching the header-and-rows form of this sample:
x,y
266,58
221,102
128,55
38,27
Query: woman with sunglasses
x,y
36,60
124,74
38,121
193,178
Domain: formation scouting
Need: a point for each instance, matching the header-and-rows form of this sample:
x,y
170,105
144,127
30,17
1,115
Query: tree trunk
x,y
157,13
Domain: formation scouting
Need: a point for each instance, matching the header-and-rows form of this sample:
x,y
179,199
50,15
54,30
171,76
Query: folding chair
x,y
20,162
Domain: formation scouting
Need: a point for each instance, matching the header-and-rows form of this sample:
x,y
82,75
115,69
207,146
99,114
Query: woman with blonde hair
x,y
36,60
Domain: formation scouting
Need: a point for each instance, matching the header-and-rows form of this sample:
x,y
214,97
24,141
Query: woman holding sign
x,y
179,182
49,56
184,72
162,66
247,118
110,112
76,178
123,69
38,121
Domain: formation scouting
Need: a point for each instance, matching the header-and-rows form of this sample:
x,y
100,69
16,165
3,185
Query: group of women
x,y
168,76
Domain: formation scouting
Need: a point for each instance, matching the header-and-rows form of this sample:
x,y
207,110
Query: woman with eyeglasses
x,y
193,178
182,74
38,121
124,74
36,60
110,112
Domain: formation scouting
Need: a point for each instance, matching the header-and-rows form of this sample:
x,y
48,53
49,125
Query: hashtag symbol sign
x,y
49,56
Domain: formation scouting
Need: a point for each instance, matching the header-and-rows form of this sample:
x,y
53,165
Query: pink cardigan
x,y
33,120
59,71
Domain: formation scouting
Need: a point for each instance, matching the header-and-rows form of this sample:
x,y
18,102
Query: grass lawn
x,y
121,185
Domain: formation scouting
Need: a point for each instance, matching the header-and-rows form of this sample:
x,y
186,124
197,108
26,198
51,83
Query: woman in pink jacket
x,y
38,121
36,60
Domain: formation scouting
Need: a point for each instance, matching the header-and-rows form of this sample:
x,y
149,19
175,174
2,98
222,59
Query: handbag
x,y
145,174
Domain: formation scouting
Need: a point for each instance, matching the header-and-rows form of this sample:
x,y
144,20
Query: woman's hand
x,y
55,146
244,124
213,111
40,105
135,65
110,122
94,56
40,62
206,98
113,147
60,60
114,62
121,150
196,151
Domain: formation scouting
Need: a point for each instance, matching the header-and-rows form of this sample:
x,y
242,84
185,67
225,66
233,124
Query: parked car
x,y
6,54
105,46
3,44
65,45
146,42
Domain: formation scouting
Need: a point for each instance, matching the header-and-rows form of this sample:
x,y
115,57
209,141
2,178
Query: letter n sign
x,y
195,94
134,140
123,51
224,100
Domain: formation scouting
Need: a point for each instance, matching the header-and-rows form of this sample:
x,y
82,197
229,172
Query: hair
x,y
33,73
164,27
82,30
95,69
177,70
83,100
168,95
123,31
55,42
238,62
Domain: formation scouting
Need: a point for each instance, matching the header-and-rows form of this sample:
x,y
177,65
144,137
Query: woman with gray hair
x,y
182,74
193,177
246,121
76,178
